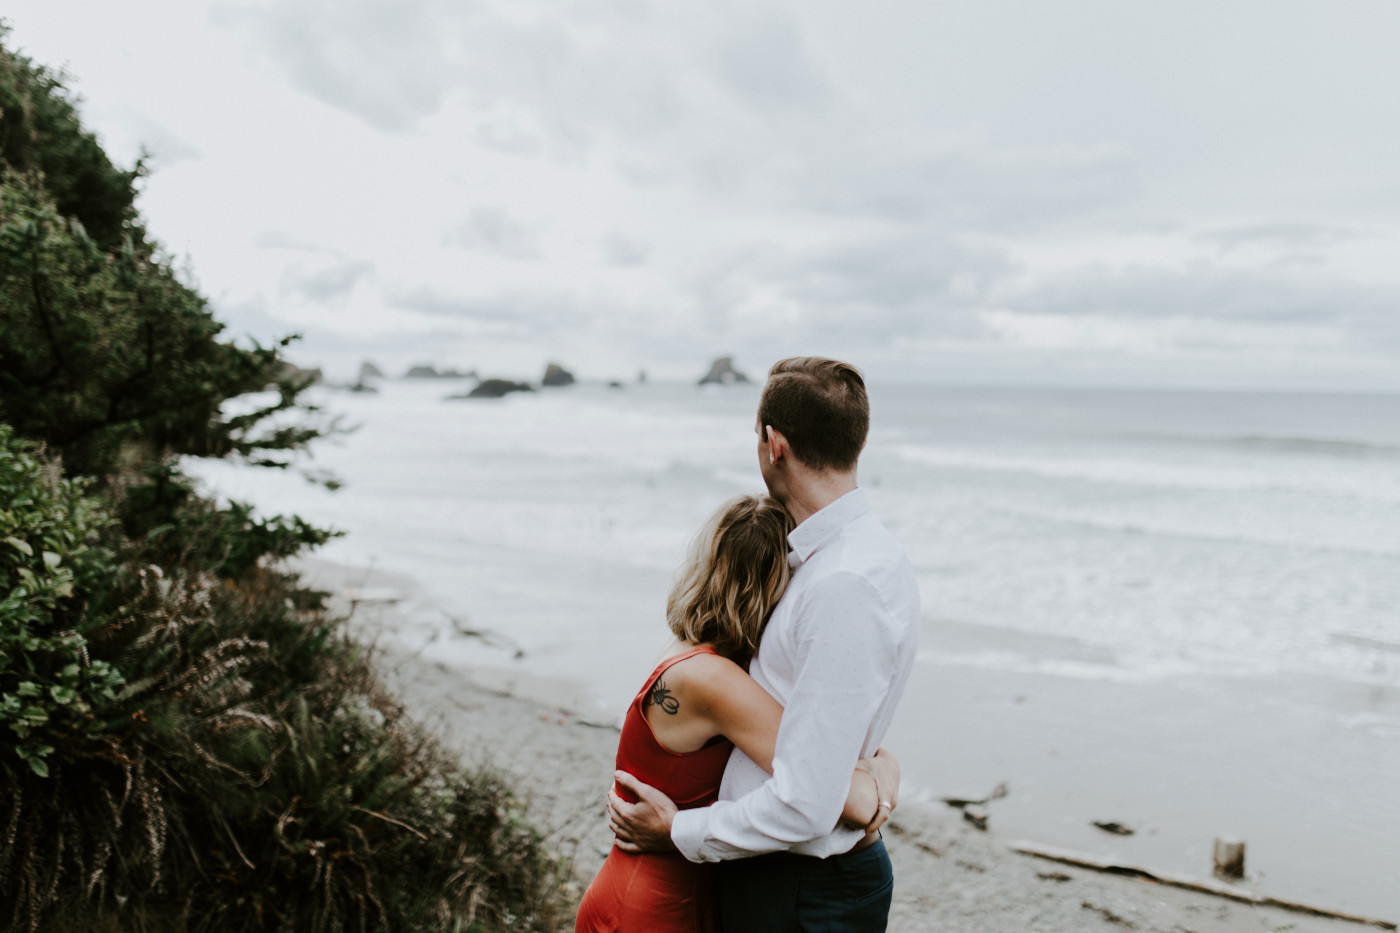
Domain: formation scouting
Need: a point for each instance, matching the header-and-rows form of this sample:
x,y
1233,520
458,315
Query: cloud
x,y
554,78
733,100
395,65
1204,290
622,250
965,184
165,147
523,314
868,292
280,240
895,276
327,285
251,317
1276,234
491,229
766,60
377,60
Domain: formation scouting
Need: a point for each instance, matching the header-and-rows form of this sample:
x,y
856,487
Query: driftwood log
x,y
1218,888
960,803
975,810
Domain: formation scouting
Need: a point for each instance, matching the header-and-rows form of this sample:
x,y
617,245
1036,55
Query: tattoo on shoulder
x,y
662,697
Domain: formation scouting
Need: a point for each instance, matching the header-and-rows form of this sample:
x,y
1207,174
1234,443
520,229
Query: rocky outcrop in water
x,y
428,371
722,372
369,374
496,388
556,375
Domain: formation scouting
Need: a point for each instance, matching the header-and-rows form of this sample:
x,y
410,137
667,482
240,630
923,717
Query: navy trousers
x,y
787,893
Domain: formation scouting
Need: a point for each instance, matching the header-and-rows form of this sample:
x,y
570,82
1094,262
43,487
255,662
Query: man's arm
x,y
846,656
644,826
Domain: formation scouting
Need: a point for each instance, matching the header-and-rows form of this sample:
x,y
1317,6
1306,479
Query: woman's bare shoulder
x,y
722,694
705,673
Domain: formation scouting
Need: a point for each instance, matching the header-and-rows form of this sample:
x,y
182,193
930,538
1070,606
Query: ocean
x,y
1176,566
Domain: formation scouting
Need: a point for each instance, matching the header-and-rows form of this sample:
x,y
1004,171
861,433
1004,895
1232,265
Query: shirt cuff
x,y
688,829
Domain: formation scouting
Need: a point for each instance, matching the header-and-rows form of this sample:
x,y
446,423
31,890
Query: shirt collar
x,y
823,525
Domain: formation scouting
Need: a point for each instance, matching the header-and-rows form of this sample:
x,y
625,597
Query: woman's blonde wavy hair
x,y
732,577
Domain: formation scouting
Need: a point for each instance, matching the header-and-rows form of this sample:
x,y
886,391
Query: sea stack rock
x,y
428,371
495,388
368,374
556,375
722,372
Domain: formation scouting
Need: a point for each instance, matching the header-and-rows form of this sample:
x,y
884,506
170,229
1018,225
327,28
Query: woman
x,y
697,705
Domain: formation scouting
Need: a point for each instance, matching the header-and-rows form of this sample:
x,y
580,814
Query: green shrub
x,y
176,527
40,133
238,769
52,568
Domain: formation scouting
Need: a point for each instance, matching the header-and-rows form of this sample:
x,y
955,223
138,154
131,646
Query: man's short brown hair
x,y
820,406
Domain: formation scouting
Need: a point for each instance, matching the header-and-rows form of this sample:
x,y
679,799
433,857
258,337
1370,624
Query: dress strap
x,y
666,663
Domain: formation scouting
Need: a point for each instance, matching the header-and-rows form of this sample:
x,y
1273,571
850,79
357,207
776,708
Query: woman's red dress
x,y
658,892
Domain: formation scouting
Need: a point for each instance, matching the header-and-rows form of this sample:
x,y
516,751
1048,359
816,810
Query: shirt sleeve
x,y
845,660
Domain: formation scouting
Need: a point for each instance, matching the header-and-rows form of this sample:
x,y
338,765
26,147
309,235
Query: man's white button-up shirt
x,y
836,654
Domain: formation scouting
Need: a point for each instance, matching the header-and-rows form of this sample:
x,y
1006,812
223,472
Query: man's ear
x,y
777,444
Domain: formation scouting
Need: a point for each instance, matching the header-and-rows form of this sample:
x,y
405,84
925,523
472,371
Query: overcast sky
x,y
1089,192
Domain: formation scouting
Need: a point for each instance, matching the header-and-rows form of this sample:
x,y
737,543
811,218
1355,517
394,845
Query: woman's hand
x,y
883,767
874,792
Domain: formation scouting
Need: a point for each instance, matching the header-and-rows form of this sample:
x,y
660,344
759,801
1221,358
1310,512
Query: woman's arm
x,y
874,791
730,703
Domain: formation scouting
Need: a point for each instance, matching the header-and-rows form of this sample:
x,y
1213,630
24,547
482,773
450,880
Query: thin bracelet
x,y
879,798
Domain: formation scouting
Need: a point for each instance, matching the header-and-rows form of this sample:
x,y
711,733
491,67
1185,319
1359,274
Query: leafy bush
x,y
40,133
176,527
243,771
52,567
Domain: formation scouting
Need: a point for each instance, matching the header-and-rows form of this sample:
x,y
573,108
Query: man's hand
x,y
644,826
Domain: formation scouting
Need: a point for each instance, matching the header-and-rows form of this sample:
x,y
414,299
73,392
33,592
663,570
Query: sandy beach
x,y
949,875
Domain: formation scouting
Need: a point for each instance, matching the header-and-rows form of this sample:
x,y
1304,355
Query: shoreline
x,y
948,874
1181,761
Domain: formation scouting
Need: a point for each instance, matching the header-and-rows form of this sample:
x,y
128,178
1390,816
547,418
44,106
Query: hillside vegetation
x,y
187,741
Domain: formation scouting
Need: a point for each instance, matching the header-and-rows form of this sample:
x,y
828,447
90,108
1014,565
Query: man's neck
x,y
814,491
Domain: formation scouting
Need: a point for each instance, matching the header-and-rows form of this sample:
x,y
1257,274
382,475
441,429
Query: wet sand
x,y
1305,770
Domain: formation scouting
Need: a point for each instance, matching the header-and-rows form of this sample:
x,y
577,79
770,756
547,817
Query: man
x,y
836,654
